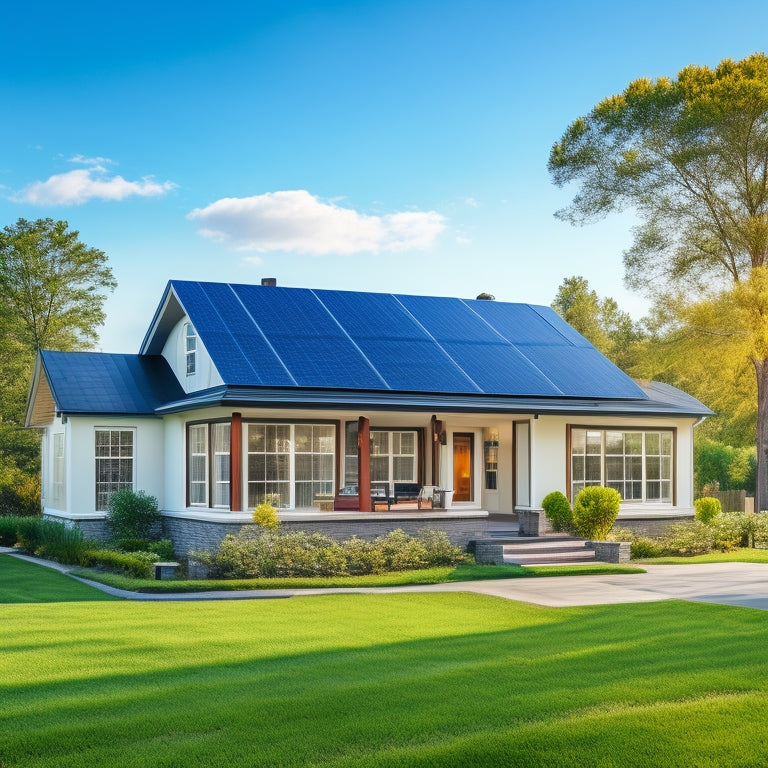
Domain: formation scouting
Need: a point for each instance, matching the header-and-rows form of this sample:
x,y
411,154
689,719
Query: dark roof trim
x,y
384,400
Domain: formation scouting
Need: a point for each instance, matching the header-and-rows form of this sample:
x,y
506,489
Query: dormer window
x,y
190,348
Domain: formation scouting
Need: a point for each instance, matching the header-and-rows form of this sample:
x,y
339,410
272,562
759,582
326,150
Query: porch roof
x,y
659,400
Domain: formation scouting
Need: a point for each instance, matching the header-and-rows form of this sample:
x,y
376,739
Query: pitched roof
x,y
97,382
296,338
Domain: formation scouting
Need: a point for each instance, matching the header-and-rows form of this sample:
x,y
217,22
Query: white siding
x,y
174,352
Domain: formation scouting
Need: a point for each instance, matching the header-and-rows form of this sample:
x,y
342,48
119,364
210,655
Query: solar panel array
x,y
296,337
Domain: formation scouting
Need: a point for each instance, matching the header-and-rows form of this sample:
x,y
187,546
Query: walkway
x,y
740,584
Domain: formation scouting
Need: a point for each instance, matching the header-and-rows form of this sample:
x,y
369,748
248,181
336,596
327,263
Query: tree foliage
x,y
600,321
51,297
690,156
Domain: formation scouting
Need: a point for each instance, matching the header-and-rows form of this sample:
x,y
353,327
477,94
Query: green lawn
x,y
24,582
745,555
356,681
398,578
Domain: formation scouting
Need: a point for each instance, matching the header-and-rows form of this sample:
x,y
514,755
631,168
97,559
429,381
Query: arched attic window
x,y
190,340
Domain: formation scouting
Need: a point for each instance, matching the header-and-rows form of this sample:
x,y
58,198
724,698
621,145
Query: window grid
x,y
190,348
393,457
637,463
114,463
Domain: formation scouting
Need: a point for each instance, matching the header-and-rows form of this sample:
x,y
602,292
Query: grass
x,y
745,555
381,681
25,582
400,578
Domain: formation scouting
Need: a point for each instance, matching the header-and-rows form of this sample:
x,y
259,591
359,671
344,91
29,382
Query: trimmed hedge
x,y
266,553
595,511
558,510
707,509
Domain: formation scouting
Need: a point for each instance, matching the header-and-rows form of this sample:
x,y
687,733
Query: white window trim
x,y
96,458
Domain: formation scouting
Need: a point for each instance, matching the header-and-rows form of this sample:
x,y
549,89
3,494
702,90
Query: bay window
x,y
208,471
394,457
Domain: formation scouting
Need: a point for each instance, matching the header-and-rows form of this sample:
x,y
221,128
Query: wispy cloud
x,y
296,221
93,183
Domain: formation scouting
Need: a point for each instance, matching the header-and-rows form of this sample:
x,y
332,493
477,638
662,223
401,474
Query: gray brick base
x,y
651,526
197,535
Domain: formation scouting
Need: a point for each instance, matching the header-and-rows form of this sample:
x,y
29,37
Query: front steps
x,y
547,550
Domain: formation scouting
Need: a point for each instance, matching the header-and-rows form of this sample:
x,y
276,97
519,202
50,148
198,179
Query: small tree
x,y
265,515
557,508
132,515
707,509
595,511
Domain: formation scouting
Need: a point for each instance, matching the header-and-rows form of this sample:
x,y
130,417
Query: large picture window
x,y
208,470
637,463
290,465
114,463
394,457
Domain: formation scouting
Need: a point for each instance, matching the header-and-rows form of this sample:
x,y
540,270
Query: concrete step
x,y
547,550
549,558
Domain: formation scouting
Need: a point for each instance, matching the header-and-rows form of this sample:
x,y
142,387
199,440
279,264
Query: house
x,y
246,393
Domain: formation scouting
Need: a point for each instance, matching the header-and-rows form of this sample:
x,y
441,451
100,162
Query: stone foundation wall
x,y
651,526
92,529
191,535
610,551
533,522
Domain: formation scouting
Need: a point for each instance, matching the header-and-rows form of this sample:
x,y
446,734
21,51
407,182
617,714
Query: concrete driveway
x,y
741,584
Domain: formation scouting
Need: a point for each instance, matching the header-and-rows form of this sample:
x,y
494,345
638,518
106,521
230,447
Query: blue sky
x,y
378,146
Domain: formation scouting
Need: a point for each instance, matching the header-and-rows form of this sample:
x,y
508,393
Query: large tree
x,y
690,157
51,297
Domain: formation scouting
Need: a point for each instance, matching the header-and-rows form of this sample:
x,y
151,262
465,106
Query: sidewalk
x,y
739,584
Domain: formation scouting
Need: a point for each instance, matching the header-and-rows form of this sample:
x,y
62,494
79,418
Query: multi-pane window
x,y
393,458
198,465
114,463
290,465
190,348
637,463
208,471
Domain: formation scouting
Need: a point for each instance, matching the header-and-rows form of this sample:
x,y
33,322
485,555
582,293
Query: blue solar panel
x,y
449,319
270,336
518,323
500,368
372,316
307,339
583,372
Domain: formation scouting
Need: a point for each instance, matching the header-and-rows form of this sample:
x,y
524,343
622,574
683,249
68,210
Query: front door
x,y
463,462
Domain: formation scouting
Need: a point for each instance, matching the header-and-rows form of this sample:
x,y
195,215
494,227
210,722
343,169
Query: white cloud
x,y
83,160
294,220
84,184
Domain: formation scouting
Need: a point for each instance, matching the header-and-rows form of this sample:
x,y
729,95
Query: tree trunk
x,y
761,501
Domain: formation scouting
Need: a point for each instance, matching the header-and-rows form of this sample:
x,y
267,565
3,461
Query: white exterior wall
x,y
80,458
175,352
549,461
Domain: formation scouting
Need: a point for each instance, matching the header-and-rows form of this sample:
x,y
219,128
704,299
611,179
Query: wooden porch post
x,y
364,464
436,427
236,463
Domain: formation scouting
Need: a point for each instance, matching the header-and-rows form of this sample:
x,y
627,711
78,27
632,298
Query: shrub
x,y
439,549
731,530
643,547
265,515
21,497
132,515
363,557
595,511
163,549
9,527
691,538
132,545
402,552
135,564
760,529
268,553
558,509
707,509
